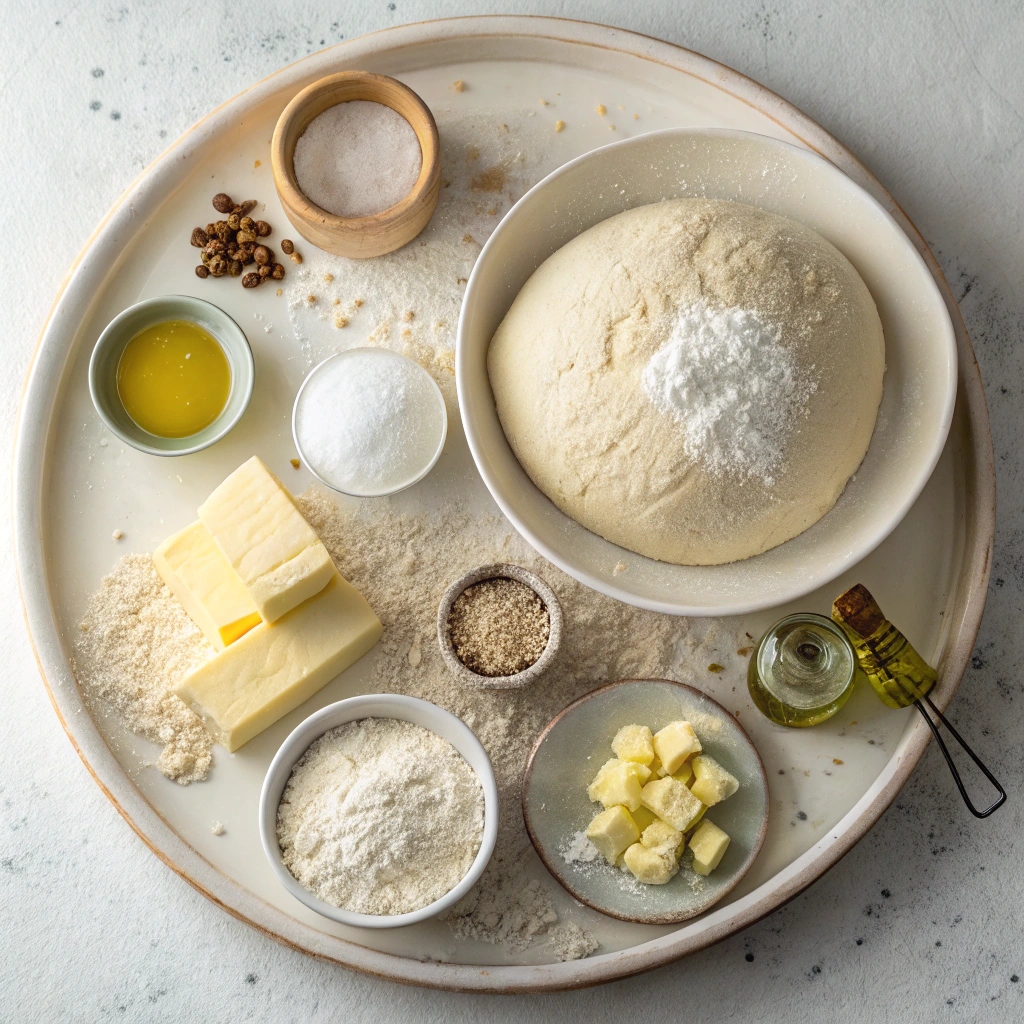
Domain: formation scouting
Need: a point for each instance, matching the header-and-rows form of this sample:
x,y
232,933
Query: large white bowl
x,y
377,705
919,384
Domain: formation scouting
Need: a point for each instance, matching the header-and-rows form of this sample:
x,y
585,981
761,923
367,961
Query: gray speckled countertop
x,y
922,921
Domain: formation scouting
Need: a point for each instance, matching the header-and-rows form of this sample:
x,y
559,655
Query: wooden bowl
x,y
379,233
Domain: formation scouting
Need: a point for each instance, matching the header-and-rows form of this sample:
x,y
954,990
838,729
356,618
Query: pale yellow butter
x,y
200,577
265,538
277,665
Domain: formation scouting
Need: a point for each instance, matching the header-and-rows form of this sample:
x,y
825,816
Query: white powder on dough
x,y
369,421
380,817
134,643
357,159
734,389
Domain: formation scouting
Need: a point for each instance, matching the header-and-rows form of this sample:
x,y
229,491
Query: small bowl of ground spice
x,y
499,627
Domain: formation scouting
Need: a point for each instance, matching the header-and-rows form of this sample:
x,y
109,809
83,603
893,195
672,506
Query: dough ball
x,y
694,380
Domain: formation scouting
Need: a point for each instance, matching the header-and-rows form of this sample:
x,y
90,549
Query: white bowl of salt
x,y
369,422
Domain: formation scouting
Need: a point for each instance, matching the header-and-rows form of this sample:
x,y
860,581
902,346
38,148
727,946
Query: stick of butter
x,y
200,577
277,665
279,558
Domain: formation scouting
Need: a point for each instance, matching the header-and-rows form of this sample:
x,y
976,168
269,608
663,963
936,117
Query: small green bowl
x,y
107,354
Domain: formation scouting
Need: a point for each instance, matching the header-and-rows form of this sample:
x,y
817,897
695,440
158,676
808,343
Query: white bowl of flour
x,y
918,387
379,811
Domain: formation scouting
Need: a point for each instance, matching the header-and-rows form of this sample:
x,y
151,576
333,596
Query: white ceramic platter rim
x,y
33,442
763,589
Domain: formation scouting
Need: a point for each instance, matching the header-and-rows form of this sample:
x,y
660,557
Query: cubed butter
x,y
708,844
619,782
279,558
684,775
657,768
672,802
644,817
713,783
633,743
611,831
649,866
201,578
661,837
674,744
277,665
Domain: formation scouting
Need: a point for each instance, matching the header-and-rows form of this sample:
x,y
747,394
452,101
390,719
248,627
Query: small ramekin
x,y
377,705
502,570
106,354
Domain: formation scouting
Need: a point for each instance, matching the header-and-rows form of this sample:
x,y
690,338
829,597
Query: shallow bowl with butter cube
x,y
378,705
569,758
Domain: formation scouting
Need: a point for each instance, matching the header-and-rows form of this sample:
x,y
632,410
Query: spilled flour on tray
x,y
409,300
402,561
134,643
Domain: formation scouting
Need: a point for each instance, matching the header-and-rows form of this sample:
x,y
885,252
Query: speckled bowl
x,y
490,572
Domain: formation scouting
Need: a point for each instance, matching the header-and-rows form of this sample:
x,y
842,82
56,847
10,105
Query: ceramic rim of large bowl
x,y
802,583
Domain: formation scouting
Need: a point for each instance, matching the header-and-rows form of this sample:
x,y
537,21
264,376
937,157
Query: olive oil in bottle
x,y
801,671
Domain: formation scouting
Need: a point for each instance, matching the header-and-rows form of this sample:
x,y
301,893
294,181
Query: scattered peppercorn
x,y
231,244
295,257
287,246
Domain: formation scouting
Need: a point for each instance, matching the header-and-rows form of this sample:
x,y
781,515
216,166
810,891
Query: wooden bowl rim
x,y
283,164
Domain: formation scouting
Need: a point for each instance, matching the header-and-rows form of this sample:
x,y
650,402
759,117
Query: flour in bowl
x,y
380,817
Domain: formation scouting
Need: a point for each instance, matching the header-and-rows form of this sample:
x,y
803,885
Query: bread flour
x,y
380,817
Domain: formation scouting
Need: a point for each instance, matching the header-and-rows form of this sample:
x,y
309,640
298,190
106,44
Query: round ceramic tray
x,y
74,484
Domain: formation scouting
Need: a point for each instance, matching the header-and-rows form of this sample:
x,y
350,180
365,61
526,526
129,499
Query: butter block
x,y
633,743
650,866
277,665
265,538
619,782
201,578
672,802
708,844
685,774
674,744
611,831
712,783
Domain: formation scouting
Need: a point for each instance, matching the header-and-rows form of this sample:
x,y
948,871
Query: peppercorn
x,y
261,254
278,272
218,266
264,272
222,202
287,246
243,208
215,247
263,228
245,236
199,237
222,230
202,271
234,221
251,280
247,224
295,257
234,268
210,229
245,253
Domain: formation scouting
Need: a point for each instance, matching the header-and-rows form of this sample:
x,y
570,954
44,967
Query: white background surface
x,y
931,97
